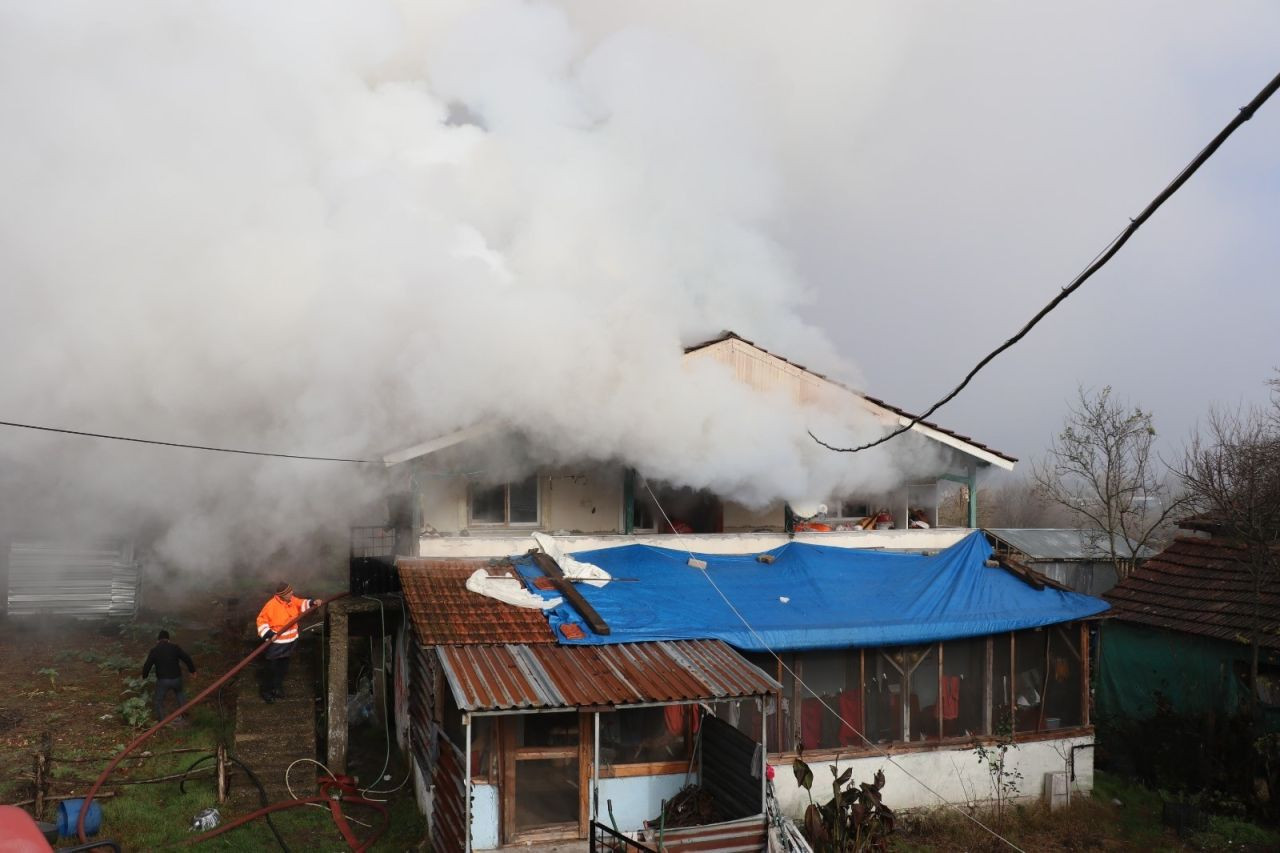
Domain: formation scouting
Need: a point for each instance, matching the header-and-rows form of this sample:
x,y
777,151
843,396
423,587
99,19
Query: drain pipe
x,y
200,697
1071,766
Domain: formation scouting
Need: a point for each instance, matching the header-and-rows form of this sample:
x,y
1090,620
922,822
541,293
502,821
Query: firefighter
x,y
279,610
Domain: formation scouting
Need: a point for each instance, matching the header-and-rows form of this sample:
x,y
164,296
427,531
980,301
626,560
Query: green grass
x,y
1236,834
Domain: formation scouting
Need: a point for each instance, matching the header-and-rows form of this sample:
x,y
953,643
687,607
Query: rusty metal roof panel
x,y
517,676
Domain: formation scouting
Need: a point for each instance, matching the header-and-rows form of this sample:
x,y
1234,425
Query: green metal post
x,y
628,500
972,482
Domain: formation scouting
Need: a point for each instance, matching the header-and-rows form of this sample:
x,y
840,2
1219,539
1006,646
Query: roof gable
x,y
890,414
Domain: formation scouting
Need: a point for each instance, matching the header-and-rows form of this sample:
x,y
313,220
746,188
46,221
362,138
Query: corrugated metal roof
x,y
1199,586
499,677
1048,543
89,579
445,612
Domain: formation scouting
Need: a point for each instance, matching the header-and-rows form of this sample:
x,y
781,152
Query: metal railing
x,y
606,840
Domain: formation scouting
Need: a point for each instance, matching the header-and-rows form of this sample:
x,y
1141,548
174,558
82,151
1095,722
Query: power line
x,y
1246,112
180,444
798,680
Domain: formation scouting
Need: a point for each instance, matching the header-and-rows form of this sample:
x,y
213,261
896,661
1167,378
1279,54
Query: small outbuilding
x,y
1079,559
1180,636
517,739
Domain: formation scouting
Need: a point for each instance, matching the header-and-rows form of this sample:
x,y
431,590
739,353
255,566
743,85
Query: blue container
x,y
69,814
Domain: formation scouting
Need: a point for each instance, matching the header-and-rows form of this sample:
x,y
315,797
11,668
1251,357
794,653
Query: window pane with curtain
x,y
831,707
1001,684
963,686
922,666
644,735
1063,690
1030,650
882,696
524,501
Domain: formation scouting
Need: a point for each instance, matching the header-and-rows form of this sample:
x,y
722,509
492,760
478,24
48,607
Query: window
x,y
1026,681
833,683
964,663
648,735
1030,653
512,504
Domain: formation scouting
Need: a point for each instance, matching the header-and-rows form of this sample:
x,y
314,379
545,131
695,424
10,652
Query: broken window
x,y
514,503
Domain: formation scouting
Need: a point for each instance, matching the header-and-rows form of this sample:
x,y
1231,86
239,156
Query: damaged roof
x,y
445,612
887,407
497,656
501,677
1199,586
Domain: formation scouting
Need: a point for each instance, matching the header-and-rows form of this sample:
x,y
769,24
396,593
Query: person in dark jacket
x,y
165,657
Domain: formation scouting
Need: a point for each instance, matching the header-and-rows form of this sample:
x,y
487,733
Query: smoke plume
x,y
340,228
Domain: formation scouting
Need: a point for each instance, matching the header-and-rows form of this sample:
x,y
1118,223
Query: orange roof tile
x,y
445,612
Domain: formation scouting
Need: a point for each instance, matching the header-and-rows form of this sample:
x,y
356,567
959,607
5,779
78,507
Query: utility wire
x,y
210,448
798,680
1246,112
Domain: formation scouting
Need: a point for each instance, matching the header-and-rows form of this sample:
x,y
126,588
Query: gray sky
x,y
339,227
949,166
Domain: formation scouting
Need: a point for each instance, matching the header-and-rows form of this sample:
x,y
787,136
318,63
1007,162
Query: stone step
x,y
271,736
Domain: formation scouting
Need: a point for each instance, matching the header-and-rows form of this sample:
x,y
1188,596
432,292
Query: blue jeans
x,y
163,686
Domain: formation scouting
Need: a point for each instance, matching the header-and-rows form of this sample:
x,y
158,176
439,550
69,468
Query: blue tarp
x,y
836,597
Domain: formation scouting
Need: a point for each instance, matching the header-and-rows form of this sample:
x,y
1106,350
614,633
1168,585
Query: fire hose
x,y
333,792
200,697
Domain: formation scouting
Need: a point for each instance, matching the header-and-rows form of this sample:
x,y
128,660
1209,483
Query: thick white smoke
x,y
340,228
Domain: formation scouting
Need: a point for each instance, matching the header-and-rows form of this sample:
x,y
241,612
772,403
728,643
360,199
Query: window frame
x,y
859,662
506,522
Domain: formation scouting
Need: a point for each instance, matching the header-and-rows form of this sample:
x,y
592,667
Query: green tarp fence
x,y
1137,663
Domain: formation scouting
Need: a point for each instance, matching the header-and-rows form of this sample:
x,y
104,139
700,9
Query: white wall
x,y
478,544
484,817
637,798
955,774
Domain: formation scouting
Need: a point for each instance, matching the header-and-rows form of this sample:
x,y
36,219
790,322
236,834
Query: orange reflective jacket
x,y
276,613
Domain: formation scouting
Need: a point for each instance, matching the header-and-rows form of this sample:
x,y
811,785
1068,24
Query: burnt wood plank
x,y
552,569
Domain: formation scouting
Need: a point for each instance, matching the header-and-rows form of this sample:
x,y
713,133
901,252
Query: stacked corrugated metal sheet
x,y
85,579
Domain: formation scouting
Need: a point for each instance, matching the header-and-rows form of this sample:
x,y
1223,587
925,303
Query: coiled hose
x,y
200,697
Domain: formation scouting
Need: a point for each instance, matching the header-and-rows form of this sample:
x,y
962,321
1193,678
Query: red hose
x,y
142,738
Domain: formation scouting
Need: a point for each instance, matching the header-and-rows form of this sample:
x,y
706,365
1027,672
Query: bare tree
x,y
1231,470
1103,470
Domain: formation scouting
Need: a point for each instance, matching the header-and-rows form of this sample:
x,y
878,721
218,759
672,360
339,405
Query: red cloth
x,y
851,712
677,716
811,723
950,697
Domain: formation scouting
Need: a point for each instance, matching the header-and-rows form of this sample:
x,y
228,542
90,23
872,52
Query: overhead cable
x,y
207,447
1246,112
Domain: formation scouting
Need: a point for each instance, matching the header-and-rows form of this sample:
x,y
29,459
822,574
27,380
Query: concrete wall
x,y
637,798
484,817
587,500
955,774
480,544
